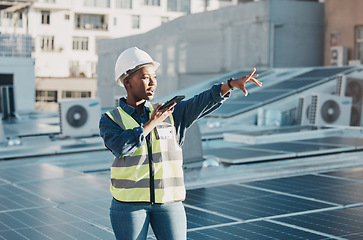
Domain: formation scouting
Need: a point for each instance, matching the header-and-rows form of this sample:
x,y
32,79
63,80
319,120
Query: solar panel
x,y
263,95
238,203
342,141
48,223
255,230
301,149
341,194
36,172
295,84
95,211
13,198
345,223
326,189
323,73
197,218
79,188
243,155
220,195
253,100
229,109
275,92
355,173
299,183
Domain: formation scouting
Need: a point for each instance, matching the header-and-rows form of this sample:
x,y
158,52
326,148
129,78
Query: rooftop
x,y
251,182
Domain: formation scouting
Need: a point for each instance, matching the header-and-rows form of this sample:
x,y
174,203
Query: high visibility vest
x,y
154,172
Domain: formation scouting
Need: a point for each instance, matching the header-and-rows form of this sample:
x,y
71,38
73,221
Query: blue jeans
x,y
130,221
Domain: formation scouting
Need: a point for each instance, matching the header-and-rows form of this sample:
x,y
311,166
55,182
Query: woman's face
x,y
142,84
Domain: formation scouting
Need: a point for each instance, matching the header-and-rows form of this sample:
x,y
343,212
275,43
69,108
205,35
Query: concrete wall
x,y
196,47
24,81
341,18
297,33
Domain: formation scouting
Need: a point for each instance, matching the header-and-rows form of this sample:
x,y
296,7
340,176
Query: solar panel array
x,y
43,201
238,103
284,150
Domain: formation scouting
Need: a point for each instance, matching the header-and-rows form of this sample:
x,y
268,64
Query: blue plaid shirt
x,y
125,142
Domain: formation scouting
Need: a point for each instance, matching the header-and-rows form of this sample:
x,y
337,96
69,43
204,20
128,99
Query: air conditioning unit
x,y
79,117
303,110
352,87
329,109
338,56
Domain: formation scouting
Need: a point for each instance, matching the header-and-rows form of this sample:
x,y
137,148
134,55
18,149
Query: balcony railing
x,y
15,45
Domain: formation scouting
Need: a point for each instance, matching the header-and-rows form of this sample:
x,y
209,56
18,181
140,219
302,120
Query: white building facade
x,y
65,35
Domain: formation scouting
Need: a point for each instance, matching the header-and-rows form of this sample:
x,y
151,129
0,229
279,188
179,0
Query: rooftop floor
x,y
60,197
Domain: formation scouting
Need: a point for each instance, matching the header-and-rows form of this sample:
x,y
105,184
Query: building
x,y
17,79
65,35
343,34
193,48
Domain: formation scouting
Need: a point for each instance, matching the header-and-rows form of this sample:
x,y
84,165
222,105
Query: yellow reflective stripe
x,y
166,195
145,183
171,119
165,169
169,169
170,194
140,151
131,195
133,173
110,116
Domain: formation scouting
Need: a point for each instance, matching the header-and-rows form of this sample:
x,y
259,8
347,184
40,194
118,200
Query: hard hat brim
x,y
129,72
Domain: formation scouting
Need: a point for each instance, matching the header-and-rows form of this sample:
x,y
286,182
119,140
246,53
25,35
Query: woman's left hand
x,y
241,82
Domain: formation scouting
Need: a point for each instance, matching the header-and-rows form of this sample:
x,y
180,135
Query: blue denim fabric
x,y
125,142
130,221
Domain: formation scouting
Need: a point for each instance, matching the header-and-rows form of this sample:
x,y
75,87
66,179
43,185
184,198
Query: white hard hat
x,y
131,60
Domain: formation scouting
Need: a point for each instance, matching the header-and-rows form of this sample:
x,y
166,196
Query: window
x,y
124,4
97,3
19,22
66,17
90,22
46,96
80,43
49,1
6,18
359,42
114,21
75,94
45,17
179,6
152,2
47,43
135,21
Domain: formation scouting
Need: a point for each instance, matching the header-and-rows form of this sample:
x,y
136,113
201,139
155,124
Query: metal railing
x,y
18,45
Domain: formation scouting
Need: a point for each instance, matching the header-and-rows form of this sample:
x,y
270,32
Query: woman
x,y
146,176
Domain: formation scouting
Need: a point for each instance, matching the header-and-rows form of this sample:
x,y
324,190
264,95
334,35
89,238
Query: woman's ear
x,y
127,83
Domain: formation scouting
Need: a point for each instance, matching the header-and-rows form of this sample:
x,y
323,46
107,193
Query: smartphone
x,y
175,99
